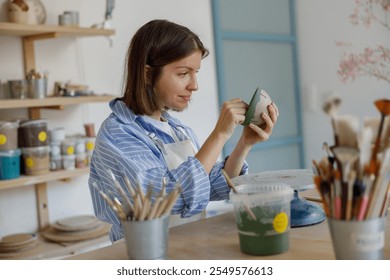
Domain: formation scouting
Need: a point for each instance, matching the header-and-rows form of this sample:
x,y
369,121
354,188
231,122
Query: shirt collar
x,y
127,116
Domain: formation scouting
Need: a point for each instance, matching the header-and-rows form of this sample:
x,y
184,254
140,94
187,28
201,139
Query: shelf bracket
x,y
42,205
28,49
34,113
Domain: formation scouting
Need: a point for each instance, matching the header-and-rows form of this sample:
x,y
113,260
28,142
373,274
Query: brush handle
x,y
363,208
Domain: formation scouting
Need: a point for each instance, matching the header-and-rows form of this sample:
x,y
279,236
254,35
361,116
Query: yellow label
x,y
70,150
280,222
3,139
90,146
29,163
42,136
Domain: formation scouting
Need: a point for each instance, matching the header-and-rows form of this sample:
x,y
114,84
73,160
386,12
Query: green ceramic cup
x,y
258,105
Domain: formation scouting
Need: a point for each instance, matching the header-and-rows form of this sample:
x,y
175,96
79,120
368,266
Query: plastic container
x,y
69,162
36,160
10,164
8,136
81,160
80,146
67,147
267,232
33,133
56,163
89,157
55,149
90,143
57,134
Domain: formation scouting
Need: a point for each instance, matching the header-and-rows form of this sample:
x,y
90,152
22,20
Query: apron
x,y
175,154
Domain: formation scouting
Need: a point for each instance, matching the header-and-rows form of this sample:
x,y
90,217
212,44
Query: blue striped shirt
x,y
124,147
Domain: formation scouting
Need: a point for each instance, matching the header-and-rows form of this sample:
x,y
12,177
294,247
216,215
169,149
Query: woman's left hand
x,y
253,134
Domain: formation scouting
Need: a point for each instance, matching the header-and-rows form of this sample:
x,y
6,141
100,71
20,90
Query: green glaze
x,y
252,107
263,239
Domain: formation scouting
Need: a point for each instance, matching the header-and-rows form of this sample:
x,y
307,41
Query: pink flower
x,y
372,62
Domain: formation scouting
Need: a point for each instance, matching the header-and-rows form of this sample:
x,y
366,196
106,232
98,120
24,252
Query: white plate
x,y
298,179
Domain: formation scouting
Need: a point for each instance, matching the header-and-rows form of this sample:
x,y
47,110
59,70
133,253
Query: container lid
x,y
71,157
26,150
266,192
38,122
8,125
58,157
11,153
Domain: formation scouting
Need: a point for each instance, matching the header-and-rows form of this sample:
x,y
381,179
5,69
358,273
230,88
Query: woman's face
x,y
177,82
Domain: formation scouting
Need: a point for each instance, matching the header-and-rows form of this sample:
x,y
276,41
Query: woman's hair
x,y
154,45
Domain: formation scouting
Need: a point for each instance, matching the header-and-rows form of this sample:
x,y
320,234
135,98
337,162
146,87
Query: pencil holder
x,y
148,239
358,240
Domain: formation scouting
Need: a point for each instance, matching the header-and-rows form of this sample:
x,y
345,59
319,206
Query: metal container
x,y
18,89
37,88
358,240
146,240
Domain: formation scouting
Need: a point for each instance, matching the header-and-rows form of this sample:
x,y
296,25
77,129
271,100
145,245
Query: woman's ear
x,y
147,74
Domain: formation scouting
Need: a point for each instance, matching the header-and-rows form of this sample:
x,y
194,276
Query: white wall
x,y
319,25
92,61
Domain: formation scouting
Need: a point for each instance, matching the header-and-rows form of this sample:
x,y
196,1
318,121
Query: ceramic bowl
x,y
258,105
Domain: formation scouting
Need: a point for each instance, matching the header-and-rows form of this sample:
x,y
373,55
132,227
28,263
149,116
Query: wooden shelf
x,y
28,35
52,101
17,29
51,176
47,250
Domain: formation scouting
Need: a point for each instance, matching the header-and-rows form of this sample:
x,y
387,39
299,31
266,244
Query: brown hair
x,y
155,44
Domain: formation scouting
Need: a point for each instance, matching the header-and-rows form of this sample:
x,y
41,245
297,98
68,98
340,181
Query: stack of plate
x,y
76,228
18,242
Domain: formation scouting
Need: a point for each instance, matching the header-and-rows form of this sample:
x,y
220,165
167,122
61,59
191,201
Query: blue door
x,y
255,45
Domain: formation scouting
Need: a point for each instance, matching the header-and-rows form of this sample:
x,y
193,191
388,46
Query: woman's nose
x,y
193,85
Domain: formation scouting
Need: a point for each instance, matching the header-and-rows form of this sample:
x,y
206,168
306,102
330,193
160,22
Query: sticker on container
x,y
42,136
367,242
3,139
90,146
70,150
280,222
29,163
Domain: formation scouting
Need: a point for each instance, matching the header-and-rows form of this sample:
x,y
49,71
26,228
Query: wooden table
x,y
217,238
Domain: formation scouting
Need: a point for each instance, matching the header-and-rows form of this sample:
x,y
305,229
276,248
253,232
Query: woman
x,y
141,141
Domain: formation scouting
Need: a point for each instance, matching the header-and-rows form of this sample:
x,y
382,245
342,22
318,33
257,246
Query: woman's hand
x,y
253,134
232,114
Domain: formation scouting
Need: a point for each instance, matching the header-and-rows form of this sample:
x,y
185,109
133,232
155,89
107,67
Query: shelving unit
x,y
29,34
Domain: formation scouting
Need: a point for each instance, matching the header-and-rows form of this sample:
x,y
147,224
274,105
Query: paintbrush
x,y
231,185
127,205
380,187
365,143
383,107
351,181
111,203
347,127
331,107
323,188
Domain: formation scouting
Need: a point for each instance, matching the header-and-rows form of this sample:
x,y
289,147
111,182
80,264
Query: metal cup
x,y
37,88
147,240
363,240
18,89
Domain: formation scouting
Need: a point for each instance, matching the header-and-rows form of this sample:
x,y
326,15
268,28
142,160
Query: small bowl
x,y
258,105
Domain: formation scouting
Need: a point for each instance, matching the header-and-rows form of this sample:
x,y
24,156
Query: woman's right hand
x,y
232,114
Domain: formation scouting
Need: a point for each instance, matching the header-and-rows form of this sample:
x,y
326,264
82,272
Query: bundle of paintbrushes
x,y
354,177
139,206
